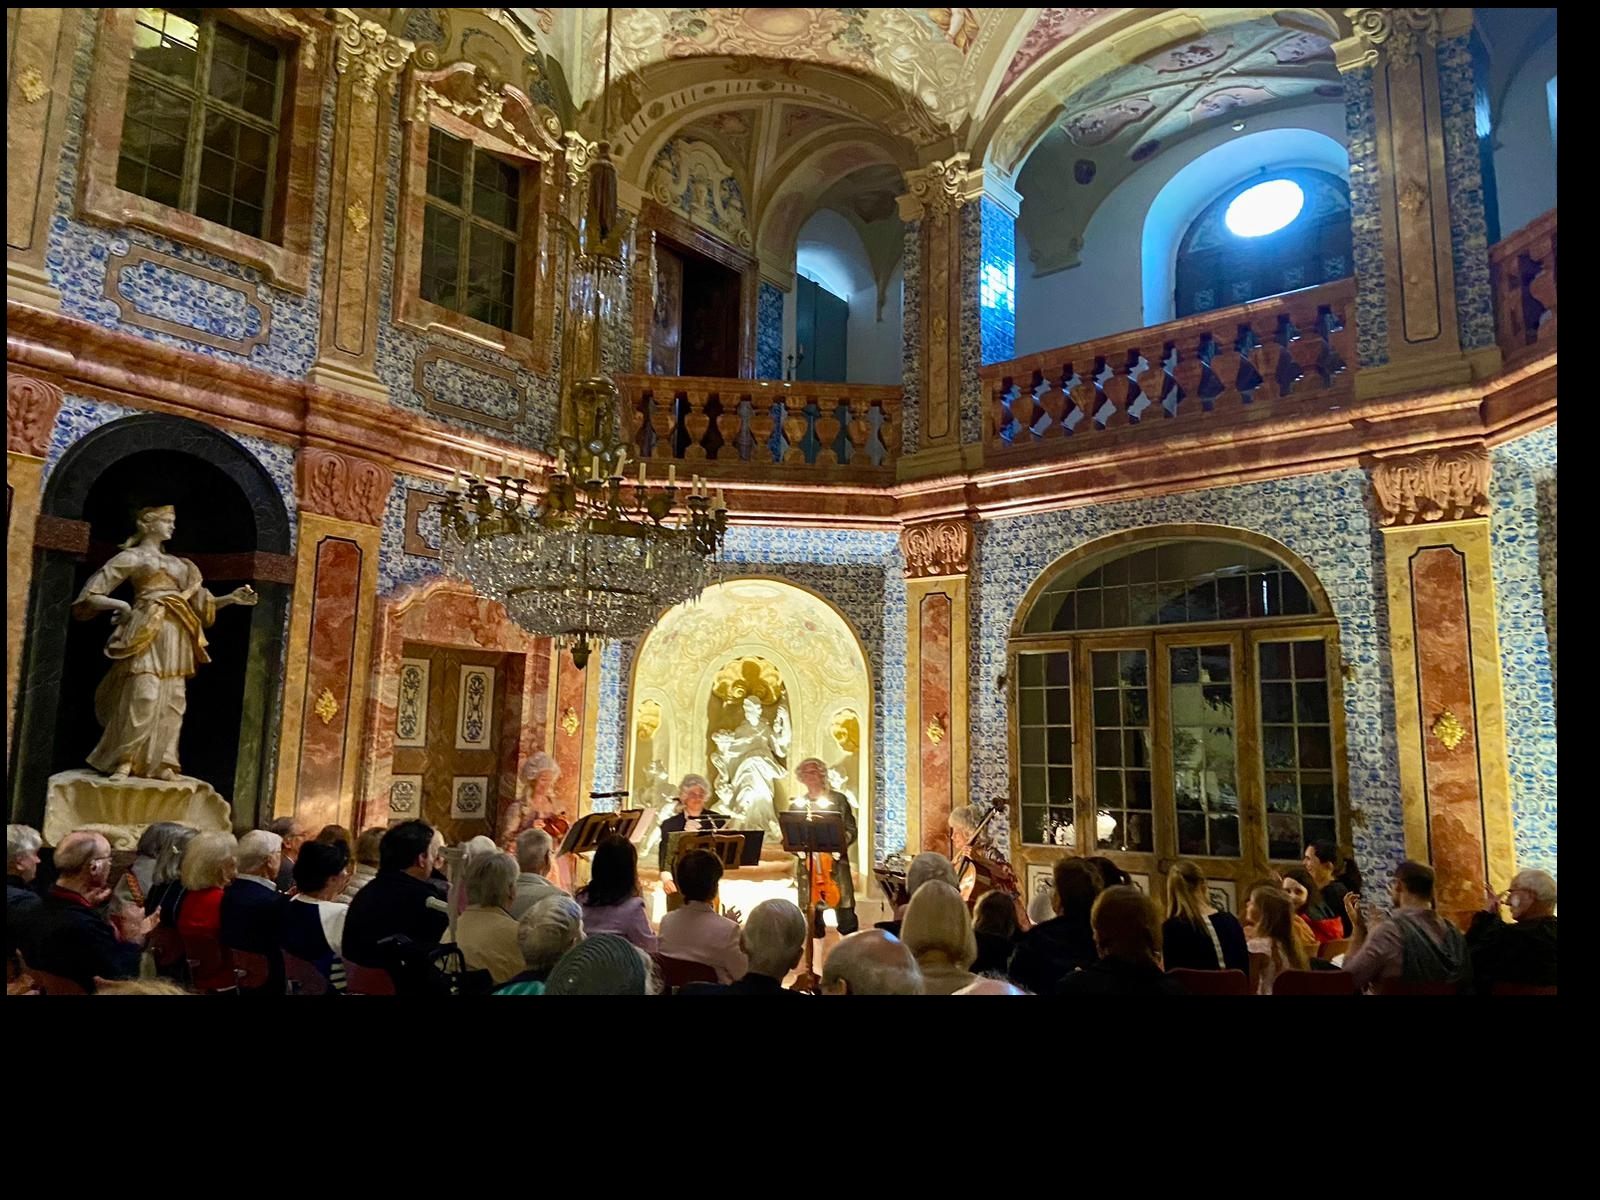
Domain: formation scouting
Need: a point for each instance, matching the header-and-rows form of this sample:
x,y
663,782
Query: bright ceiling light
x,y
1265,208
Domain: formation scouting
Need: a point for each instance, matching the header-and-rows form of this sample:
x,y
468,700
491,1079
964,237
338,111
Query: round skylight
x,y
1265,208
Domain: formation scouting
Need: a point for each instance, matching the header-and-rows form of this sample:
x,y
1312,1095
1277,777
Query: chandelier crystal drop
x,y
580,554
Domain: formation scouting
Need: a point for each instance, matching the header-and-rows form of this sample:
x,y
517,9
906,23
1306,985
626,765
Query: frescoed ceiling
x,y
1104,131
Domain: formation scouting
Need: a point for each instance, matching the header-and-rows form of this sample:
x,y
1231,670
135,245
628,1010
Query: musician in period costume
x,y
820,797
540,809
692,817
979,869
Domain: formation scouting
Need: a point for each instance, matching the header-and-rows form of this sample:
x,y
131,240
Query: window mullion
x,y
195,150
464,268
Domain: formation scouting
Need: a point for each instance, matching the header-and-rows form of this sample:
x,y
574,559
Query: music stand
x,y
728,847
588,830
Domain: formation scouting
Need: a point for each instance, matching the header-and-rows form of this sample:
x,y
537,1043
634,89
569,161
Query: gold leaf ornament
x,y
356,214
1449,729
31,84
569,721
326,707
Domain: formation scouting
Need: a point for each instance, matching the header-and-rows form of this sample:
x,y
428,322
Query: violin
x,y
555,825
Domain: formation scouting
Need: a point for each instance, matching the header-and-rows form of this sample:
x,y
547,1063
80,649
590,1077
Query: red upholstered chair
x,y
210,959
304,978
367,981
252,969
166,945
1400,987
675,972
50,984
1211,983
1522,989
1314,983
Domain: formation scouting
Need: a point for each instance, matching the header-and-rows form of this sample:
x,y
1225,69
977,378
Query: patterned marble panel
x,y
78,256
997,287
972,344
1323,518
769,332
1463,167
1366,227
1522,540
911,348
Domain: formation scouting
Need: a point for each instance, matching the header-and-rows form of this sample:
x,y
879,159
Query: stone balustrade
x,y
799,430
1522,271
1200,372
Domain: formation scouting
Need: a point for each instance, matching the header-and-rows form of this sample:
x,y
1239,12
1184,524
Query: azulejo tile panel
x,y
769,332
1323,518
396,568
911,341
1366,222
1463,168
971,216
997,288
611,727
1523,550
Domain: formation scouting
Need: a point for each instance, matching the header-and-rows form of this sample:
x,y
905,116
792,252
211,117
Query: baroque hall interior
x,y
987,425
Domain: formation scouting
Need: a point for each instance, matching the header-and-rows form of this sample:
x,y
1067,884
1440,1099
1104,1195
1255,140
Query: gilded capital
x,y
369,53
939,187
936,548
1436,485
1398,32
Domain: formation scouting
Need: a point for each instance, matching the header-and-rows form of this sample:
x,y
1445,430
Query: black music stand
x,y
805,833
587,831
733,847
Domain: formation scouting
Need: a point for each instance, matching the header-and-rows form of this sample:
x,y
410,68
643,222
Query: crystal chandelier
x,y
580,555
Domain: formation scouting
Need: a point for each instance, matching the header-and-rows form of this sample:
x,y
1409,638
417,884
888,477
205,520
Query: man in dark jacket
x,y
1523,952
395,905
1057,947
293,833
65,935
1127,934
22,864
252,906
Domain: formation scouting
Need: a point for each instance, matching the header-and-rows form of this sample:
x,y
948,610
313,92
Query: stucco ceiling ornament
x,y
488,107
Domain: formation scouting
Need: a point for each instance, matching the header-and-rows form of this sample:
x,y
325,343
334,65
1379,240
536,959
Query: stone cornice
x,y
1449,484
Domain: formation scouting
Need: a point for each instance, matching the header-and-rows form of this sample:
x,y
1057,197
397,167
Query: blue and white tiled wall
x,y
1322,518
769,332
1366,221
997,282
1522,537
1463,168
971,330
911,340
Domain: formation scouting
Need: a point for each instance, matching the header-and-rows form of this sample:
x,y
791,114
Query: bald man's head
x,y
83,859
872,963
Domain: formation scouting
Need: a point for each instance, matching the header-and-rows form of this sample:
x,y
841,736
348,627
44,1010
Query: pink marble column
x,y
330,659
934,744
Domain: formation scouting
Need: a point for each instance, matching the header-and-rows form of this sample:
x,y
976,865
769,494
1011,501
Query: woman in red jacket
x,y
210,863
1303,892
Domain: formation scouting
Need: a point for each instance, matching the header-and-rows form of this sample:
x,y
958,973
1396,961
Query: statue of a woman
x,y
156,643
749,761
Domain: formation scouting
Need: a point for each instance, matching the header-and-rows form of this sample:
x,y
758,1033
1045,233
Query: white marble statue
x,y
156,643
748,762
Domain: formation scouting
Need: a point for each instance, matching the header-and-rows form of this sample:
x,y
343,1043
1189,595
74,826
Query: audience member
x,y
1322,860
366,869
65,935
871,963
1415,945
991,987
938,932
338,835
210,864
395,906
166,881
605,964
22,866
1043,905
135,883
930,864
551,926
486,931
1055,948
773,939
613,901
472,848
253,908
314,921
1110,874
293,832
695,931
534,848
1523,952
1127,935
994,924
1269,926
1196,935
140,987
1310,910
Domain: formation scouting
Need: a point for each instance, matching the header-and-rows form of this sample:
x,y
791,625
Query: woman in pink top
x,y
612,902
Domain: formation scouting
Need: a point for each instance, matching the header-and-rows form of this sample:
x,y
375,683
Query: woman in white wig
x,y
540,808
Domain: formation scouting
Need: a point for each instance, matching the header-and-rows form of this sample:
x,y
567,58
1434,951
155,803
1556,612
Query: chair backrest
x,y
367,981
1328,951
1418,987
166,945
675,972
1258,965
304,978
1314,983
254,969
1211,983
1504,988
51,984
210,964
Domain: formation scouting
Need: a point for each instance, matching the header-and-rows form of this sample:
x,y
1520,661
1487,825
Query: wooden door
x,y
822,325
447,767
666,326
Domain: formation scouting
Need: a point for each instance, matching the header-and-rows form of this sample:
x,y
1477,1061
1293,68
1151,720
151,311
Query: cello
x,y
980,872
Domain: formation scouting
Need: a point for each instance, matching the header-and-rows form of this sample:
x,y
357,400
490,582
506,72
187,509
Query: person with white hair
x,y
821,797
694,792
66,935
253,908
551,926
871,963
928,865
134,884
486,931
22,866
938,931
539,808
535,856
1523,953
990,987
773,938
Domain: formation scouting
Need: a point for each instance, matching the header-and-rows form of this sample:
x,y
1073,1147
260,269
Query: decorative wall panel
x,y
475,709
405,798
411,718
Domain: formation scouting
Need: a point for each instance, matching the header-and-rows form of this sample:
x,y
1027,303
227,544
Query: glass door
x,y
1116,798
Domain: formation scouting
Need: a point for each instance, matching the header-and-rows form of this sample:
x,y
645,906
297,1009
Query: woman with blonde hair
x,y
1269,929
210,864
938,932
1196,936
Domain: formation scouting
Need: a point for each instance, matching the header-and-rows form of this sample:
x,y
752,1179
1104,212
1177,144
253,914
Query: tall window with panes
x,y
471,230
204,109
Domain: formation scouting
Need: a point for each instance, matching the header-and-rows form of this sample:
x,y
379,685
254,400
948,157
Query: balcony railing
x,y
801,430
1522,271
1205,370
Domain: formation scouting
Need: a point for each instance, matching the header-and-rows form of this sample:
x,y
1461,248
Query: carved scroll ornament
x,y
31,407
1445,485
338,485
1400,29
937,548
370,53
937,188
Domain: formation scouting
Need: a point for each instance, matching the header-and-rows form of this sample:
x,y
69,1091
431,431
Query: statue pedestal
x,y
123,811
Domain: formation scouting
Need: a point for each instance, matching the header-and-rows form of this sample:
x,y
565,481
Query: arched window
x,y
1276,232
1178,689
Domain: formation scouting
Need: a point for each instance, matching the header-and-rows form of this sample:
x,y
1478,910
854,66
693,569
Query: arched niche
x,y
232,522
809,644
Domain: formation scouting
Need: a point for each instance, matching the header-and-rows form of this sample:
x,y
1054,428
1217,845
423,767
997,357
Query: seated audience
x,y
1415,945
1524,951
366,862
1310,909
551,927
1055,948
331,835
293,832
773,938
65,935
1110,874
606,964
1322,859
313,921
1127,934
166,881
613,901
252,906
1196,935
395,906
22,866
135,883
930,864
991,987
470,849
871,963
1043,906
534,848
210,864
695,931
486,931
939,935
994,924
1269,926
